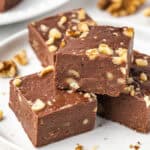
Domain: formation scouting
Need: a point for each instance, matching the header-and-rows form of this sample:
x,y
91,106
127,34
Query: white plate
x,y
28,9
109,136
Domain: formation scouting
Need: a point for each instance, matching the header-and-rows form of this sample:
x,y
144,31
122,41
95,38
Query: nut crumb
x,y
74,73
141,62
128,32
21,58
62,20
38,105
143,77
17,82
73,84
1,115
44,28
55,33
79,147
105,49
109,76
92,53
46,70
121,81
85,121
81,14
52,48
147,100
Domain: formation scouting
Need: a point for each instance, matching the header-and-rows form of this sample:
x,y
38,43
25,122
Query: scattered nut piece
x,y
46,70
21,58
109,76
143,77
117,60
81,14
50,41
147,100
85,121
141,62
130,80
74,73
8,69
79,147
128,32
73,84
38,105
62,44
44,28
17,82
121,81
52,48
146,12
62,20
121,51
1,115
84,34
83,27
92,53
49,103
105,49
55,33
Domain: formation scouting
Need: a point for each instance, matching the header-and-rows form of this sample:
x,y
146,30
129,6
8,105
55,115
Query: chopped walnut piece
x,y
123,70
84,34
120,7
62,20
118,60
8,69
1,115
55,33
72,83
105,49
128,32
17,82
121,51
74,73
146,12
79,147
52,48
143,77
81,14
85,121
147,100
141,62
83,27
44,28
50,41
46,70
109,76
92,53
21,58
121,81
38,105
62,44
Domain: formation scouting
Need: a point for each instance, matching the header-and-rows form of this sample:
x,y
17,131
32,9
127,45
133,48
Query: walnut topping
x,y
128,32
62,44
109,76
38,105
118,60
21,58
146,12
52,48
83,27
46,70
81,14
121,81
74,73
141,62
123,70
84,34
50,41
44,28
17,82
90,96
62,20
8,69
73,84
130,90
130,80
147,100
49,103
105,49
55,33
1,115
92,53
85,121
143,77
72,33
121,51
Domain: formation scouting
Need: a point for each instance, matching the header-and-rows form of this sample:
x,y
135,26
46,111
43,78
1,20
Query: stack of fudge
x,y
89,69
7,4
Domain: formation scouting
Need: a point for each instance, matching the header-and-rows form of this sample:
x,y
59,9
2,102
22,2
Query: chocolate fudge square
x,y
131,108
7,4
46,36
98,62
47,114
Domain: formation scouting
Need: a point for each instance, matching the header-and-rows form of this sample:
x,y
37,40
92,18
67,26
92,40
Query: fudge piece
x,y
46,36
131,108
47,114
97,62
7,4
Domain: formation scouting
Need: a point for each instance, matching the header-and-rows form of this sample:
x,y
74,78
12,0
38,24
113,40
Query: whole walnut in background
x,y
120,7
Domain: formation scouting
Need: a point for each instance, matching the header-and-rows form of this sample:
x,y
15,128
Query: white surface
x,y
28,9
110,135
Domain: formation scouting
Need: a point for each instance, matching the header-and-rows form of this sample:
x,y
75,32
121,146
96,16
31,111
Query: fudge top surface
x,y
139,80
34,88
61,22
106,39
